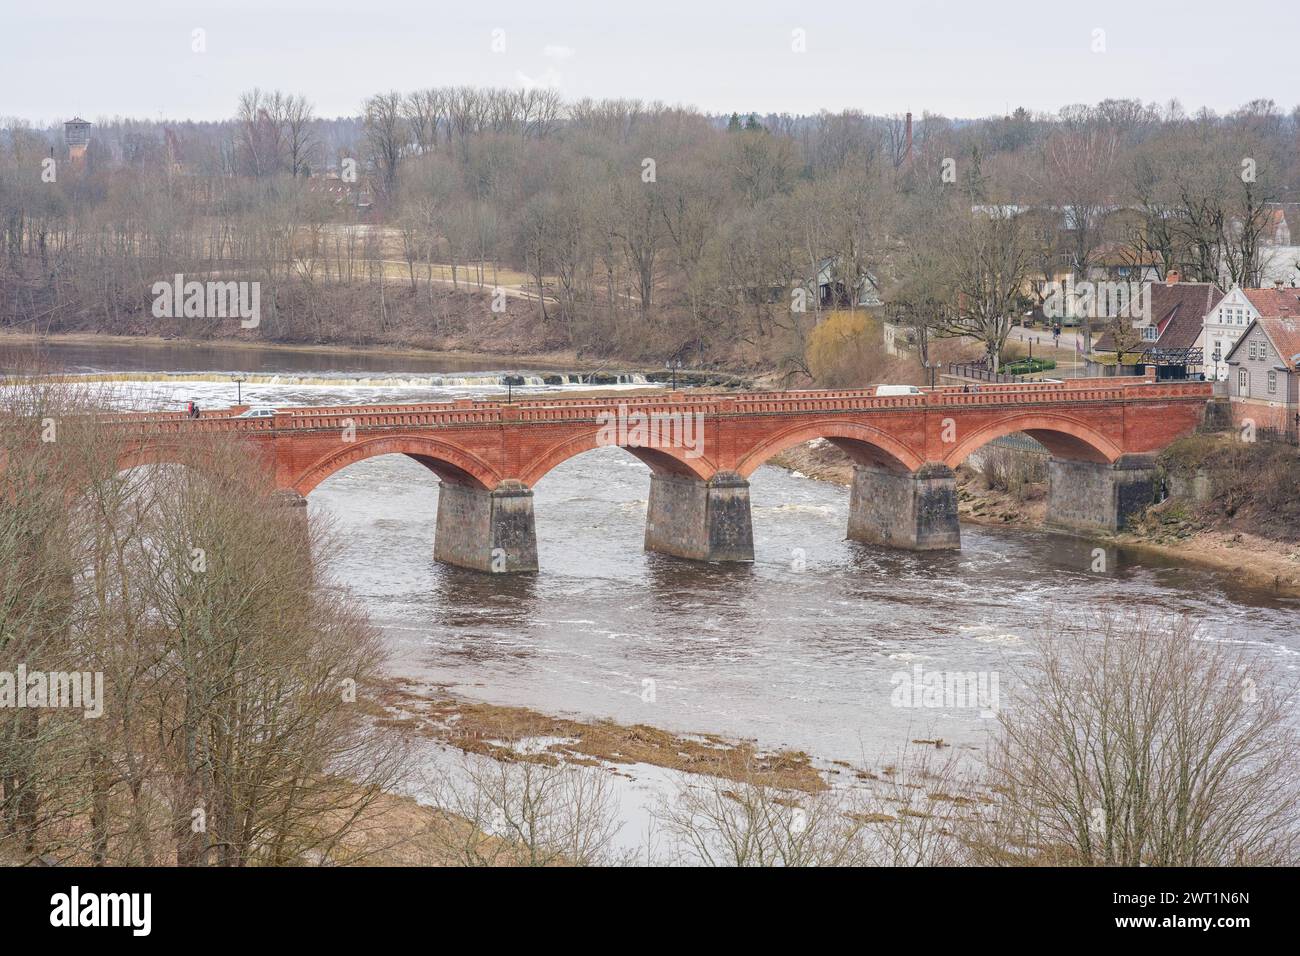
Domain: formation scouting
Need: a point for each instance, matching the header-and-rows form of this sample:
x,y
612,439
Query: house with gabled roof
x,y
1227,322
1172,341
1264,374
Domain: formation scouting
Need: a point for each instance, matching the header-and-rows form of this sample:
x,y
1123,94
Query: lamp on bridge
x,y
673,364
239,381
930,367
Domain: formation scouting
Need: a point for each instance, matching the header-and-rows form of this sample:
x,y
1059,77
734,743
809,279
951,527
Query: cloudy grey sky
x,y
957,57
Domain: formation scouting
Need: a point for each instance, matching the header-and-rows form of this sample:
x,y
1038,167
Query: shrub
x,y
1012,470
846,350
1029,366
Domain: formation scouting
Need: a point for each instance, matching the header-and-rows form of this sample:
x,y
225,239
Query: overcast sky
x,y
962,58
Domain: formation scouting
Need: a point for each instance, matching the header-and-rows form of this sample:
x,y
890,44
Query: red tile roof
x,y
1275,302
1285,336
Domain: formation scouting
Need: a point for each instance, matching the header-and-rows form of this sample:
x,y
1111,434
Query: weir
x,y
486,530
916,511
701,520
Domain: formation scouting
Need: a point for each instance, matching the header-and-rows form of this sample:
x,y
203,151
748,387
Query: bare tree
x,y
529,812
1137,743
300,134
387,136
988,261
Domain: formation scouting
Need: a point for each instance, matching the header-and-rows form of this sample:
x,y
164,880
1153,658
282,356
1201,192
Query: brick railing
x,y
464,412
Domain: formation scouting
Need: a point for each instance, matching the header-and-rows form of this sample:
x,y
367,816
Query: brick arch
x,y
865,444
156,453
660,460
449,462
1064,437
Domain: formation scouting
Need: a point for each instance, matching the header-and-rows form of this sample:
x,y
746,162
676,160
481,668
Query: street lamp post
x,y
673,365
239,381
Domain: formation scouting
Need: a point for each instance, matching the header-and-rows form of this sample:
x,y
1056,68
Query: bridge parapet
x,y
466,412
1091,393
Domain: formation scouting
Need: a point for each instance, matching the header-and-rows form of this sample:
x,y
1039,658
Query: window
x,y
1242,379
1272,382
1149,333
1252,351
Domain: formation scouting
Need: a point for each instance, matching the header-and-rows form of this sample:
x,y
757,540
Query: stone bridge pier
x,y
710,520
701,520
1091,496
486,529
912,510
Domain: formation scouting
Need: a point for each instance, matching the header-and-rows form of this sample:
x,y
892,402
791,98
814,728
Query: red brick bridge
x,y
701,448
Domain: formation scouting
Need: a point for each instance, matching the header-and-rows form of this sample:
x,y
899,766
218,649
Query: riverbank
x,y
1255,560
404,830
126,357
392,316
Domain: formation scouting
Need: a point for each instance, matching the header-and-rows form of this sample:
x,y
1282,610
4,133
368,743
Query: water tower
x,y
76,134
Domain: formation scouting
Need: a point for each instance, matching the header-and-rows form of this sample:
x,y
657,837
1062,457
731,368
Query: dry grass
x,y
1019,474
491,730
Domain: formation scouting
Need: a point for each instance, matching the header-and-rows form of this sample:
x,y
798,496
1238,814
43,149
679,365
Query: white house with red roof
x,y
1228,321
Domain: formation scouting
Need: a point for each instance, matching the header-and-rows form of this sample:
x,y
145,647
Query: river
x,y
802,649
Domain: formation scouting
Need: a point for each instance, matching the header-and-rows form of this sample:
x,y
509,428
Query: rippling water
x,y
796,650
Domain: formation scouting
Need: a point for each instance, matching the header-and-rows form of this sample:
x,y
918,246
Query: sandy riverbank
x,y
491,730
403,831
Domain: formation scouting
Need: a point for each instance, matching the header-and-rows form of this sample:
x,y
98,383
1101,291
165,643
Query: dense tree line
x,y
637,229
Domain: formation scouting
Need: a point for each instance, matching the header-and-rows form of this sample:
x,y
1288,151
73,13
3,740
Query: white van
x,y
882,390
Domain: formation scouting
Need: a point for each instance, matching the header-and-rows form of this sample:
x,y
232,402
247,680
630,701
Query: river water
x,y
802,649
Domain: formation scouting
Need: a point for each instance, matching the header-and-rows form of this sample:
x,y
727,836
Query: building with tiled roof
x,y
1178,311
1264,377
1231,317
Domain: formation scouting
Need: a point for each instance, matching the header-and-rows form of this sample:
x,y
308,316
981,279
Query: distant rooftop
x,y
76,132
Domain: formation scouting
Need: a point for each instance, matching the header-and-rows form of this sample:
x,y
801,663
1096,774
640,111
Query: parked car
x,y
257,413
882,390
